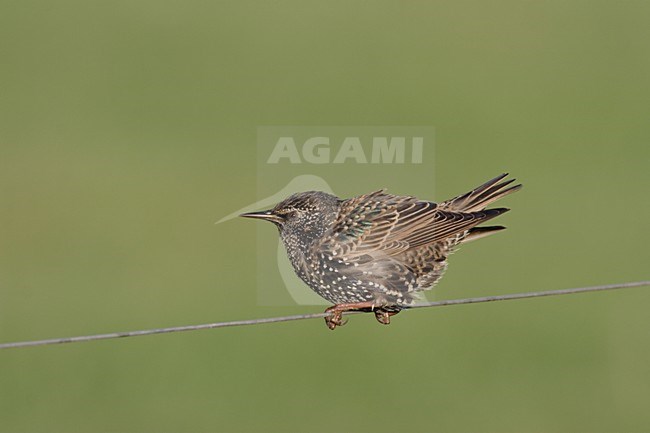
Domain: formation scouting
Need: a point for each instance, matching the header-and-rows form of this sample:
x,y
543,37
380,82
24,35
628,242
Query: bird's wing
x,y
387,225
379,236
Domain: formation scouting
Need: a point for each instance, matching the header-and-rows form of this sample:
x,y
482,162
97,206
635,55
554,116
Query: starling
x,y
376,252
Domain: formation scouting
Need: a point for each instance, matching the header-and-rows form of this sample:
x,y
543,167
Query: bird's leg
x,y
383,316
335,317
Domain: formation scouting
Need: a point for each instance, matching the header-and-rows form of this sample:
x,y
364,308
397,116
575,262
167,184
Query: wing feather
x,y
389,225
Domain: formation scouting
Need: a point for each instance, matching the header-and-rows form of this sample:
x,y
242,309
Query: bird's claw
x,y
335,319
383,316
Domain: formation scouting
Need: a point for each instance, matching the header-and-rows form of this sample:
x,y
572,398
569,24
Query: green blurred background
x,y
128,127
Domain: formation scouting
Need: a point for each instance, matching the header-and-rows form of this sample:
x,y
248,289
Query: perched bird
x,y
375,252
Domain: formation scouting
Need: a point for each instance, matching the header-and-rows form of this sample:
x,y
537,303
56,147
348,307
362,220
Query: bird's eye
x,y
286,213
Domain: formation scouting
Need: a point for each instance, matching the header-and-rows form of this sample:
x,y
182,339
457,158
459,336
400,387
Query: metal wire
x,y
316,315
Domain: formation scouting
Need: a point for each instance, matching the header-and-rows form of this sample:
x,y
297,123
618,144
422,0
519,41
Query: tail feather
x,y
481,197
481,232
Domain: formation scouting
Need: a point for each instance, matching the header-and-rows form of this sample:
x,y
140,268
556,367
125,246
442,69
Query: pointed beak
x,y
266,215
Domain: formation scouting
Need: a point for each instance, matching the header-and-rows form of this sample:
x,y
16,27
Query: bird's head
x,y
305,214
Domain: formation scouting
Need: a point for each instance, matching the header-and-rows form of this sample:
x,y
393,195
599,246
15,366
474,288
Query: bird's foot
x,y
335,313
335,318
383,316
